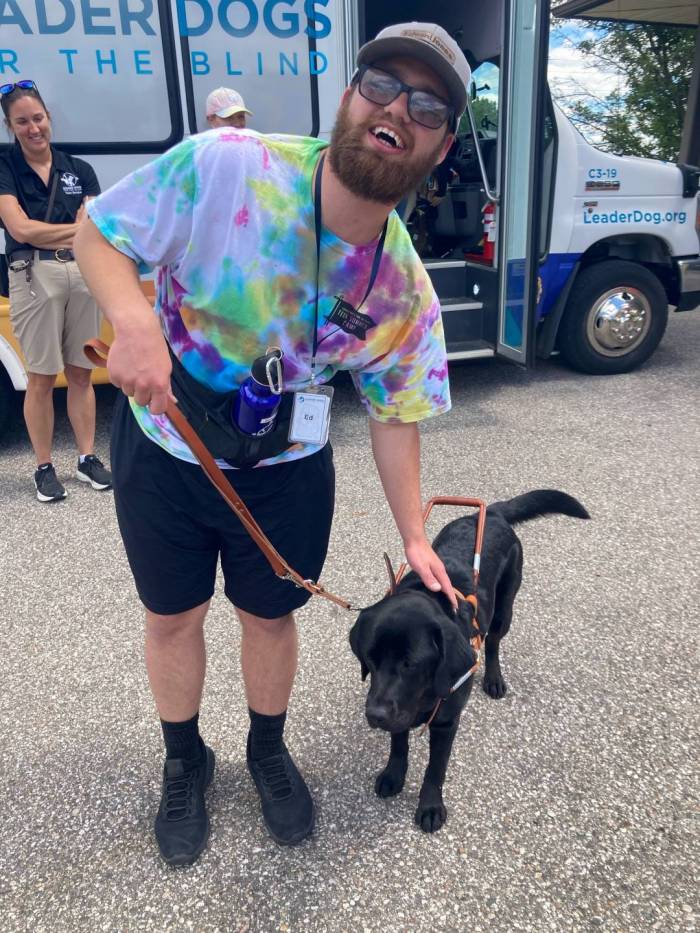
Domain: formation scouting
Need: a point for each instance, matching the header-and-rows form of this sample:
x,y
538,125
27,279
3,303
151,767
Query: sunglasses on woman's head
x,y
424,107
9,88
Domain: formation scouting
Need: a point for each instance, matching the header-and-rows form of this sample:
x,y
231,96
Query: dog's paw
x,y
496,687
431,818
389,782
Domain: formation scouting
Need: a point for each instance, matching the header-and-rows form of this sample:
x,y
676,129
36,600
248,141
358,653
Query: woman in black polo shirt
x,y
42,197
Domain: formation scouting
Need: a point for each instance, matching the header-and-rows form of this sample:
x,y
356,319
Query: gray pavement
x,y
572,802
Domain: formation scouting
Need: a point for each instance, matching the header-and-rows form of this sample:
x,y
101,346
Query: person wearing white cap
x,y
268,241
226,107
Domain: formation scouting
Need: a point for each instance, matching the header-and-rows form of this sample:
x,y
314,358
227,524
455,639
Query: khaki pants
x,y
53,315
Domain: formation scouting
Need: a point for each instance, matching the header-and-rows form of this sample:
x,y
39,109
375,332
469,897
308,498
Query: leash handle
x,y
96,351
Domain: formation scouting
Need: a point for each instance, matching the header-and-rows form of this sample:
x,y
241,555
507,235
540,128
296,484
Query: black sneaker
x,y
92,471
48,488
182,824
287,807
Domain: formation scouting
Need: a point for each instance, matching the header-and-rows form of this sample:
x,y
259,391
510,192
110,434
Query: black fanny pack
x,y
210,414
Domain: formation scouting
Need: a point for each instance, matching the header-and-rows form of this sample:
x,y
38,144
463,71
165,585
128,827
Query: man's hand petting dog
x,y
415,648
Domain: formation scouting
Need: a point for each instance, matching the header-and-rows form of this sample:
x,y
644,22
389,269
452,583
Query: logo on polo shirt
x,y
71,183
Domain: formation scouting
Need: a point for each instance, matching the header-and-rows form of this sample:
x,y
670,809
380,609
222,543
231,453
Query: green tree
x,y
645,116
485,111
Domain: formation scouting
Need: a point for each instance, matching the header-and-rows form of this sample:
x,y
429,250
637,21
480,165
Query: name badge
x,y
311,416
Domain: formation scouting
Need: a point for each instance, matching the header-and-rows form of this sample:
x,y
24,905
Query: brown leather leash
x,y
96,351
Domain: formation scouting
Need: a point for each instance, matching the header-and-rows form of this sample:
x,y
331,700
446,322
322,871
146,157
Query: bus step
x,y
460,304
469,350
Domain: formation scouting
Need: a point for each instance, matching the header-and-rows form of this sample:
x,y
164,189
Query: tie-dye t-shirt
x,y
227,217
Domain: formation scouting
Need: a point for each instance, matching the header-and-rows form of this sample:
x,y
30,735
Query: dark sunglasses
x,y
9,88
424,107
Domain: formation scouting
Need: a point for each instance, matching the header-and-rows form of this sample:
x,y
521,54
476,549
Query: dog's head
x,y
413,651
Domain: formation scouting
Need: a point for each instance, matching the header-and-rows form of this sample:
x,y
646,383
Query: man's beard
x,y
365,172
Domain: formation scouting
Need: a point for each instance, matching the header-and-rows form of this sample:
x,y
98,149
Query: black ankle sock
x,y
265,734
182,738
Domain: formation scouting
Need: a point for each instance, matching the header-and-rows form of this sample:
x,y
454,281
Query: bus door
x,y
527,35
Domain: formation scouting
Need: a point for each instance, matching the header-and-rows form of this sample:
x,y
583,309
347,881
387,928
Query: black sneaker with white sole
x,y
48,488
91,470
287,807
182,824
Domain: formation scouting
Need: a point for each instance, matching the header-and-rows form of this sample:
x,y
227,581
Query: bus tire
x,y
614,319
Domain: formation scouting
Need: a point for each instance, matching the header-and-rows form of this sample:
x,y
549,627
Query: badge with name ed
x,y
311,416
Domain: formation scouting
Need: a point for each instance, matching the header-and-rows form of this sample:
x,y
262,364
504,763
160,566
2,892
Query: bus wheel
x,y
614,319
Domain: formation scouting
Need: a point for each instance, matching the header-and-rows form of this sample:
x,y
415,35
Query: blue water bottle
x,y
258,398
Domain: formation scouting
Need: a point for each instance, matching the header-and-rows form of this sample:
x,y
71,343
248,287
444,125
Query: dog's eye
x,y
407,665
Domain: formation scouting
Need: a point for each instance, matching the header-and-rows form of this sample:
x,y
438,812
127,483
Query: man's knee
x,y
166,628
77,376
40,384
256,625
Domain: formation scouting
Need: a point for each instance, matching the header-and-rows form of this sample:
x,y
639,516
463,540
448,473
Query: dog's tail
x,y
538,502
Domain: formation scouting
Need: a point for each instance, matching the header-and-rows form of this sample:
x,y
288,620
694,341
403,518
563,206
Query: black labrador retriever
x,y
415,648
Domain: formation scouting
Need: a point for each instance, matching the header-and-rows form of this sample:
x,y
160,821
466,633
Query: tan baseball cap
x,y
432,45
224,102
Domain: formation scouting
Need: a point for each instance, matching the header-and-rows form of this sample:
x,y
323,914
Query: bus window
x,y
108,75
275,62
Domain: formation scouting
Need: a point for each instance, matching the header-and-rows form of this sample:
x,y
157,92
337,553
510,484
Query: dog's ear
x,y
442,680
360,639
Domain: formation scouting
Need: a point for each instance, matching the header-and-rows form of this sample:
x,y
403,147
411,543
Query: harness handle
x,y
480,525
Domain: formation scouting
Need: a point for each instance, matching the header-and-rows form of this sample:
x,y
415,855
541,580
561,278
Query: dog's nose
x,y
380,716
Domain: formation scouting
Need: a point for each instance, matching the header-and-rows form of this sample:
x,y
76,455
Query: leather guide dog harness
x,y
477,639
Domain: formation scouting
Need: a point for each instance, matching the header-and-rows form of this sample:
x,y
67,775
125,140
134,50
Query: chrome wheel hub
x,y
618,321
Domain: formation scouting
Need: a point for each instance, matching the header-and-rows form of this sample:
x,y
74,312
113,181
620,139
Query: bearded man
x,y
259,242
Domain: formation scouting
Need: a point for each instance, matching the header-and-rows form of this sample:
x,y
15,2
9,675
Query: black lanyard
x,y
379,249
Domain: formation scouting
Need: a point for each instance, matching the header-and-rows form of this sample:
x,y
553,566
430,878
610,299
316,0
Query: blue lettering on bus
x,y
636,216
293,65
89,14
317,62
54,29
142,16
69,53
238,18
238,32
8,59
324,27
142,61
599,173
292,19
15,17
102,60
230,70
200,63
204,26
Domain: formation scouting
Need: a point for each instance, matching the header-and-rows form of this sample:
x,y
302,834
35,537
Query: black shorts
x,y
175,525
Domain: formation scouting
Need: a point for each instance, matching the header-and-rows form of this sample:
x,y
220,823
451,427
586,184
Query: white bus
x,y
533,238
